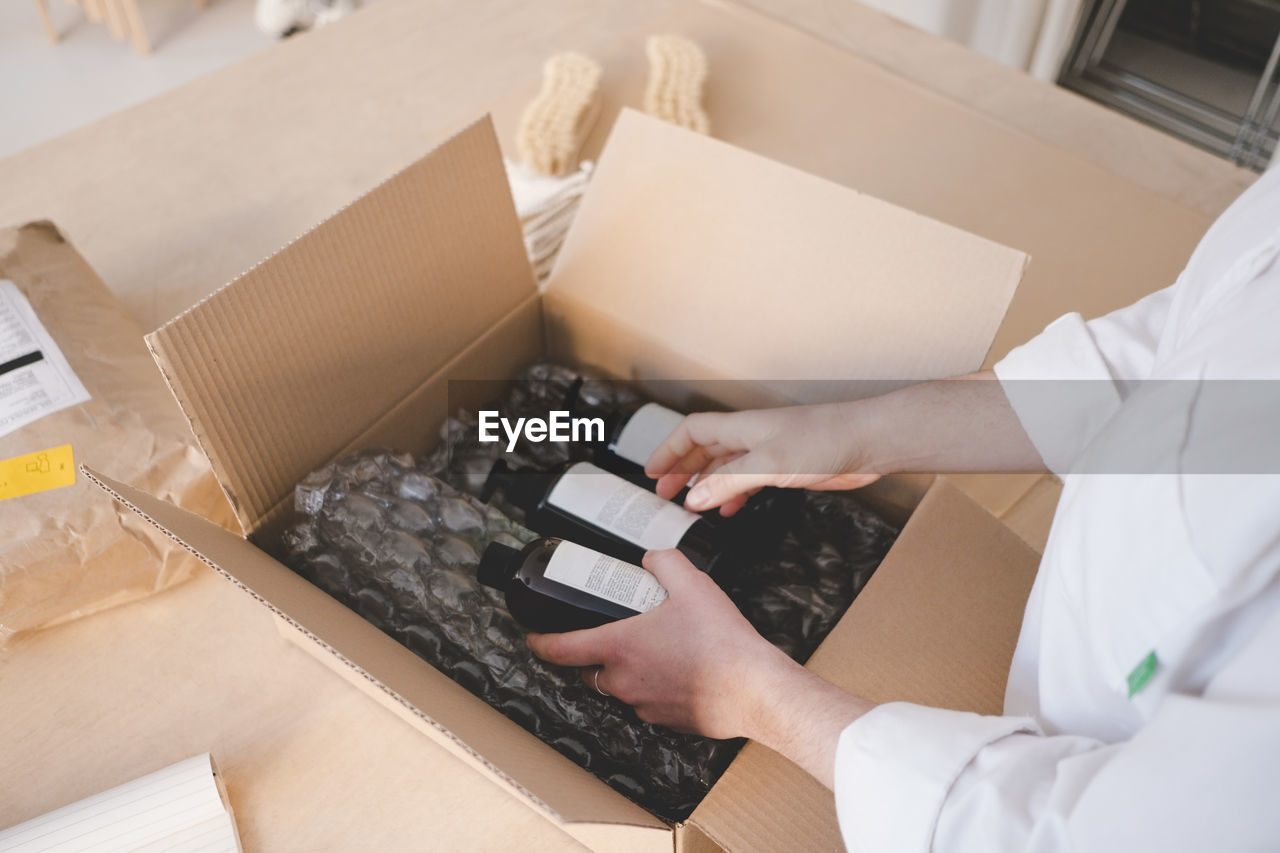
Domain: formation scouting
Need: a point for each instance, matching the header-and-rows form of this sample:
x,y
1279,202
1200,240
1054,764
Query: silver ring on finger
x,y
595,680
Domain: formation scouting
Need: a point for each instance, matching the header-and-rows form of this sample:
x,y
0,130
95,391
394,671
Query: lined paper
x,y
180,809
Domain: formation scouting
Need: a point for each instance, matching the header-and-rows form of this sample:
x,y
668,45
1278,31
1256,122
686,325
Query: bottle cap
x,y
497,565
498,474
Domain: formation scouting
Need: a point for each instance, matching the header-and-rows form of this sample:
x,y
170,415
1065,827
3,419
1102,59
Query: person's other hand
x,y
735,454
693,663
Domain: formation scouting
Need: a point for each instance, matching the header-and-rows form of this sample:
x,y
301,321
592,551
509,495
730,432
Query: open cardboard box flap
x,y
727,265
689,260
295,359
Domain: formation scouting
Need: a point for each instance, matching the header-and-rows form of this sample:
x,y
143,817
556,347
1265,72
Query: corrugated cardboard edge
x,y
196,305
1031,516
211,354
597,835
117,490
522,323
222,793
617,834
868,650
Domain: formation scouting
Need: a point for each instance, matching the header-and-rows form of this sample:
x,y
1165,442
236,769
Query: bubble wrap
x,y
398,540
793,597
400,547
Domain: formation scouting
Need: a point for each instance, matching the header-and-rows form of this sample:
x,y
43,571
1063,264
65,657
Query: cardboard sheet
x,y
1097,241
280,369
937,624
687,251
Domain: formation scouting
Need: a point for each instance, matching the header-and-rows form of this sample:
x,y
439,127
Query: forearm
x,y
801,716
962,424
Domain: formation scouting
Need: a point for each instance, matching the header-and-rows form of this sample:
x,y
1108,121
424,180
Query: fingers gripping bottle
x,y
633,432
631,437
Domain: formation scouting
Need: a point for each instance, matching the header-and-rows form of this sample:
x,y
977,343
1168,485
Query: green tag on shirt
x,y
1142,674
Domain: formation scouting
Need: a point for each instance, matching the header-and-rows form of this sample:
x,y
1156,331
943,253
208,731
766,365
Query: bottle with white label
x,y
632,435
553,586
587,504
632,431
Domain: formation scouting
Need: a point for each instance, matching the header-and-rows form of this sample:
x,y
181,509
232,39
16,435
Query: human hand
x,y
735,454
693,663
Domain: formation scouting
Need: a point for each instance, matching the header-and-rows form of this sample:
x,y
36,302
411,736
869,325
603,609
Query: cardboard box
x,y
67,551
349,336
1100,240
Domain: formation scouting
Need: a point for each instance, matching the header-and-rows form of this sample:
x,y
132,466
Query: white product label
x,y
604,577
622,508
35,378
647,427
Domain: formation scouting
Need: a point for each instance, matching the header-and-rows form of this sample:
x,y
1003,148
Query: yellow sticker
x,y
37,472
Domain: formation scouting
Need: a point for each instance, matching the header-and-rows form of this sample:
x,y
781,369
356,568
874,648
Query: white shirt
x,y
1182,569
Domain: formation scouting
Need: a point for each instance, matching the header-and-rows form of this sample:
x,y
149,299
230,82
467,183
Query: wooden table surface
x,y
170,199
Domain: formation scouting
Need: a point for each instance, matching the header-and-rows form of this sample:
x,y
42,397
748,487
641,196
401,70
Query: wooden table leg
x,y
137,32
49,30
115,19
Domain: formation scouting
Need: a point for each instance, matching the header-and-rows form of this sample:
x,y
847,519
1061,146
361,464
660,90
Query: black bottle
x,y
584,503
632,431
553,586
631,436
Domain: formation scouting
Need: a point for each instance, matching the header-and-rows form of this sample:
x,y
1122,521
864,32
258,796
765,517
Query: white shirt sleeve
x,y
1068,381
1203,769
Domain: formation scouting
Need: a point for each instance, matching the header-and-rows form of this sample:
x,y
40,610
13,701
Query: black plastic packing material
x,y
398,539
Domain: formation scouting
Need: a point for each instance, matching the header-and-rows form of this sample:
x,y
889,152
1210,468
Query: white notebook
x,y
180,809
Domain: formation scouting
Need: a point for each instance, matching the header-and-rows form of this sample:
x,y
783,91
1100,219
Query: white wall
x,y
1030,34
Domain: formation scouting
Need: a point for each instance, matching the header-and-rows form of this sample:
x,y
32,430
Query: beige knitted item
x,y
556,122
677,72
